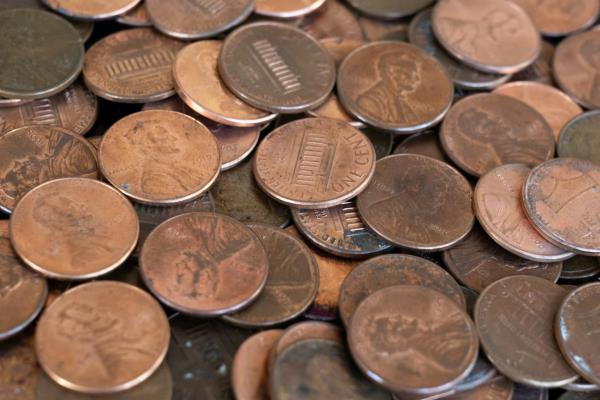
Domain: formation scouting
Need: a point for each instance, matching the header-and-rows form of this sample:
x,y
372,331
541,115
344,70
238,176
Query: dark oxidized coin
x,y
333,19
580,138
471,297
389,9
381,141
524,392
580,267
497,389
425,143
578,396
18,369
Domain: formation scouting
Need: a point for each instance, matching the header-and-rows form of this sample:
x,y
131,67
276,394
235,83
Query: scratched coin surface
x,y
204,264
32,155
389,9
418,203
426,143
137,16
392,270
91,10
314,163
394,86
498,389
123,327
580,138
18,369
333,19
484,131
413,340
286,8
132,66
515,320
276,68
74,228
580,268
160,157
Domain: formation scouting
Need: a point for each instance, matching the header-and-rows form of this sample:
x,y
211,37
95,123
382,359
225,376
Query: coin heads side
x,y
580,137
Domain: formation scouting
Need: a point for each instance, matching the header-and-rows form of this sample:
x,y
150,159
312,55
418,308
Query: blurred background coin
x,y
580,268
426,143
137,16
389,9
91,10
286,8
333,19
580,138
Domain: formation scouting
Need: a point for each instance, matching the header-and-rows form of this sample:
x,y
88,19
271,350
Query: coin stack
x,y
299,199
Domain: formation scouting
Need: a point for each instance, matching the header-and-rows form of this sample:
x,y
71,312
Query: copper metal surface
x,y
287,8
580,138
91,10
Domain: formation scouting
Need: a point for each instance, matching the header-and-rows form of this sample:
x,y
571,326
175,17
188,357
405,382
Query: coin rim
x,y
91,17
388,16
314,6
567,130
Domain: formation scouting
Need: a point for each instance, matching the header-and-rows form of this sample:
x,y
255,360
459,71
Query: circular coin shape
x,y
580,138
286,8
132,66
491,36
582,385
277,68
417,202
137,17
389,9
122,326
42,54
399,336
160,157
74,228
91,10
314,163
580,268
204,264
515,318
484,131
395,86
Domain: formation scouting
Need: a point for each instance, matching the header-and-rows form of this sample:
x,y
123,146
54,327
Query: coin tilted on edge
x,y
580,268
91,10
580,138
287,8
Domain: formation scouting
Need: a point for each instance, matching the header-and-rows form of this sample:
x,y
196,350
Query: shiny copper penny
x,y
18,369
204,264
137,16
498,389
499,209
314,163
418,203
392,270
541,70
425,143
389,9
123,327
580,268
91,10
131,66
333,19
413,340
580,138
484,131
515,319
286,8
160,157
32,155
394,86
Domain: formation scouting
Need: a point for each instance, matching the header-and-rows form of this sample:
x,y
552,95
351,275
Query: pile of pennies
x,y
299,199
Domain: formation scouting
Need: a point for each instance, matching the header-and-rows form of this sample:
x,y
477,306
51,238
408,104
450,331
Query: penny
x,y
333,19
314,163
580,267
204,264
401,88
484,131
515,318
94,10
425,143
524,392
95,142
74,228
487,35
471,297
389,9
579,138
560,198
122,325
32,155
483,373
477,262
340,48
377,29
292,282
418,203
541,70
160,157
18,367
286,8
131,66
4,103
581,385
22,292
47,60
498,389
137,17
392,270
413,340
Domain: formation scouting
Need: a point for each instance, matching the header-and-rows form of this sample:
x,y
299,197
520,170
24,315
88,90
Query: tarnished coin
x,y
91,10
484,131
18,369
394,86
418,203
132,66
580,138
314,163
491,36
580,268
477,262
541,70
498,389
122,326
524,392
425,143
137,17
515,319
32,155
74,228
482,373
160,157
382,141
413,340
291,285
389,9
204,264
561,198
286,8
42,54
333,19
392,270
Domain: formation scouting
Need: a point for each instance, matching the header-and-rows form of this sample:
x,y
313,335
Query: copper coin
x,y
32,155
102,337
131,66
487,35
340,48
498,389
389,9
561,199
395,86
392,270
580,268
425,143
75,109
74,228
499,208
137,17
413,340
524,392
477,262
95,142
418,203
376,29
582,385
382,141
580,139
484,131
160,157
91,10
515,318
204,264
541,70
18,368
333,19
482,374
314,163
286,8
291,285
4,103
22,292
